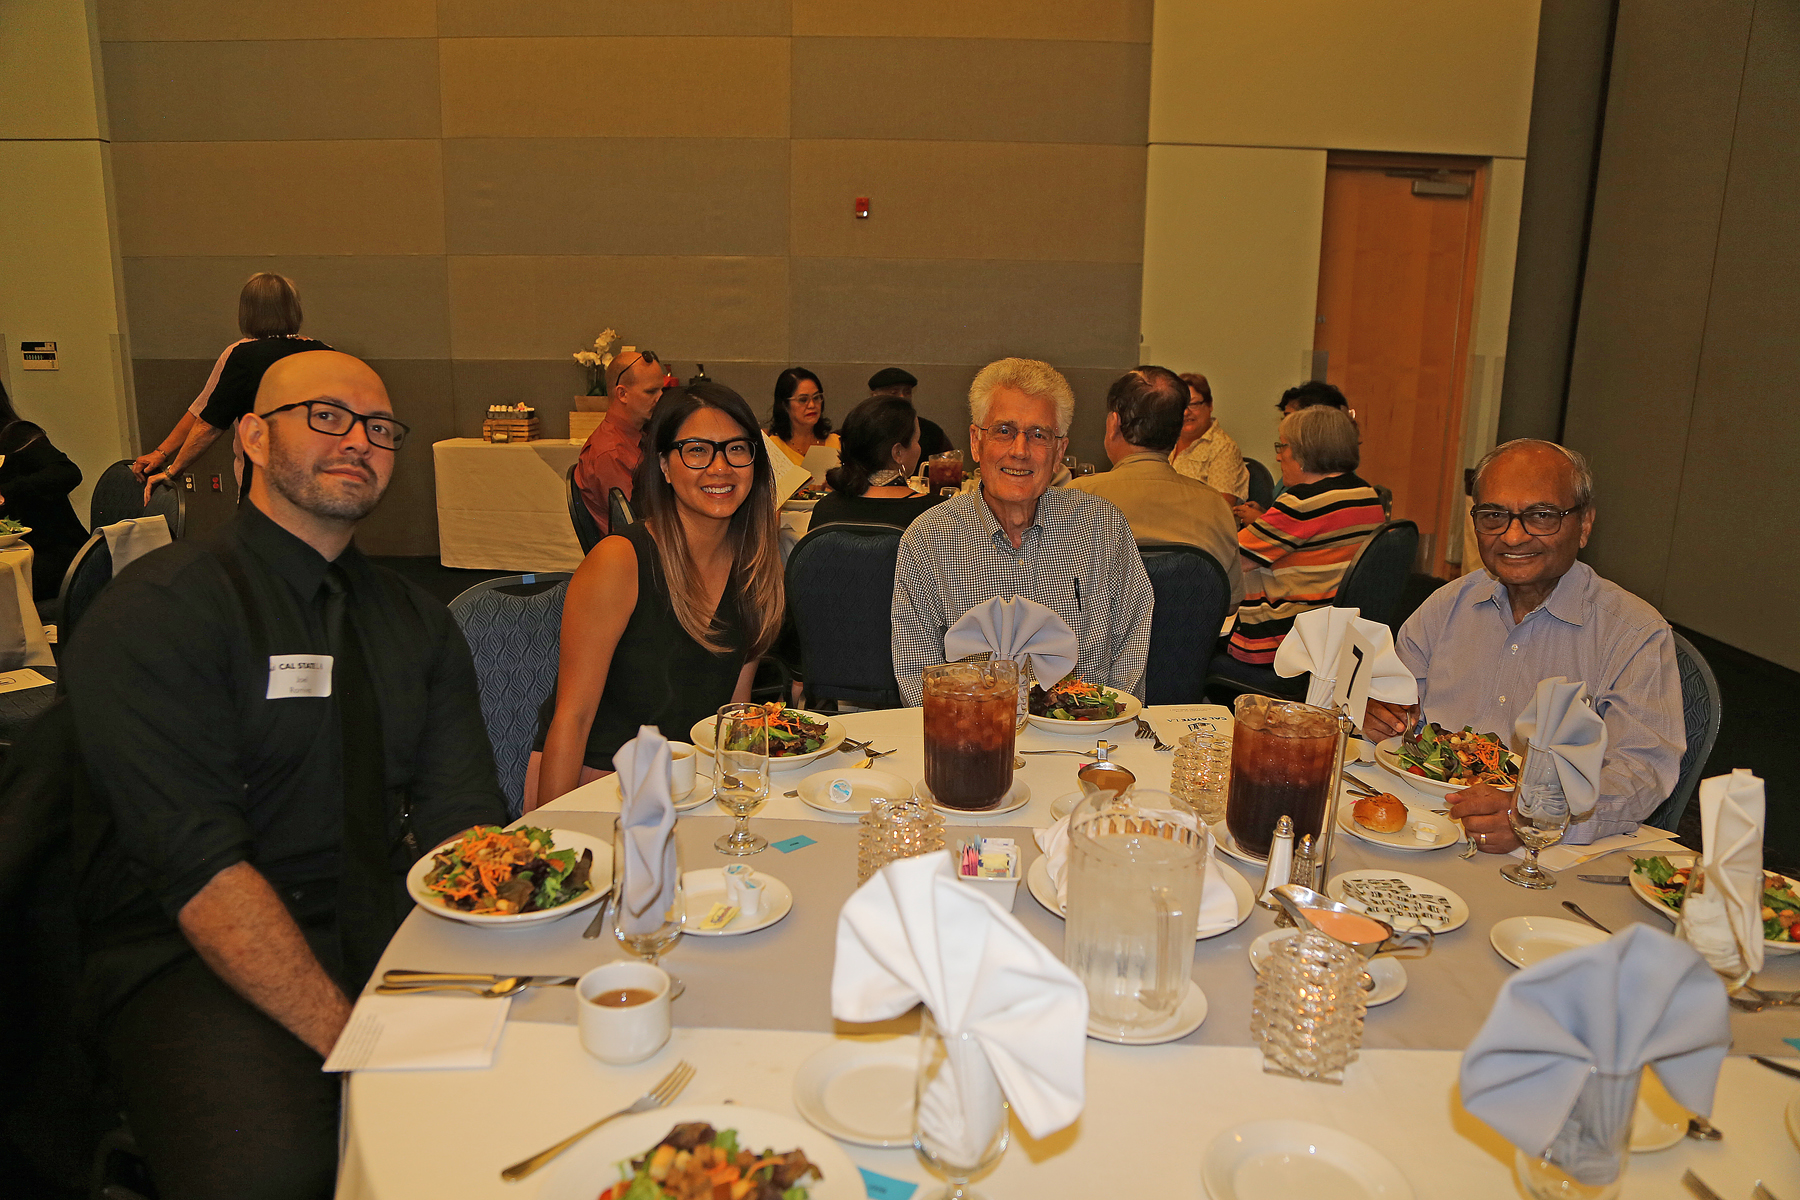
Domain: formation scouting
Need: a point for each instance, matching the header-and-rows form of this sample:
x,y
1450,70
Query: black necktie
x,y
366,910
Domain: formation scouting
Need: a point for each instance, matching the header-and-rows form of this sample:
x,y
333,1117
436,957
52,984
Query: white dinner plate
x,y
1394,909
1523,941
1278,1160
599,880
1659,1121
13,539
705,887
1386,754
866,784
702,737
592,1165
1017,796
1063,805
1641,887
1229,845
1189,1015
1444,832
1037,881
860,1090
1388,974
1129,707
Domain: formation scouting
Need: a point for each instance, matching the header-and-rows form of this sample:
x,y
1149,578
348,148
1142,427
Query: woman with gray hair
x,y
1295,554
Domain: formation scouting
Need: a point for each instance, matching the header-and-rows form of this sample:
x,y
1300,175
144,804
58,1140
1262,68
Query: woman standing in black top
x,y
664,621
881,449
35,481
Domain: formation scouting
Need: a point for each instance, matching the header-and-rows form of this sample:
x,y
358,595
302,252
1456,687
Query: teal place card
x,y
1794,1042
880,1187
789,845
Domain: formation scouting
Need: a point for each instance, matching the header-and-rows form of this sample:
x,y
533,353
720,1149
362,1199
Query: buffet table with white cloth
x,y
504,506
757,1005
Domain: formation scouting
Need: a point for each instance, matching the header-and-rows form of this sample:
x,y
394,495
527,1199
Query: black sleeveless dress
x,y
659,675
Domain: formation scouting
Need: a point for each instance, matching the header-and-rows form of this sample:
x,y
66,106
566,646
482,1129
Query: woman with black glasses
x,y
798,421
664,620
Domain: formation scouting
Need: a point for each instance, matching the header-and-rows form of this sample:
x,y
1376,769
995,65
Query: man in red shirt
x,y
614,448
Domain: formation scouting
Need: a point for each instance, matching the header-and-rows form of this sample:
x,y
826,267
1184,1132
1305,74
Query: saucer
x,y
1037,880
706,887
860,1090
1188,1016
1229,845
1017,796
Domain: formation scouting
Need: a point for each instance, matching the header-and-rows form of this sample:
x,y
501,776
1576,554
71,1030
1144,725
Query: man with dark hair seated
x,y
1144,411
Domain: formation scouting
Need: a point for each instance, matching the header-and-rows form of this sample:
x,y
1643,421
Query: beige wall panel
x,y
1445,78
596,196
165,387
561,18
971,90
262,91
373,306
976,200
233,20
1493,305
615,87
234,198
548,385
1231,269
867,309
47,65
406,520
1063,20
685,308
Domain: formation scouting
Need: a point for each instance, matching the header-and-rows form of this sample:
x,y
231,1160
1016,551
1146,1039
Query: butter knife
x,y
1620,879
1696,1185
403,978
1770,1063
599,922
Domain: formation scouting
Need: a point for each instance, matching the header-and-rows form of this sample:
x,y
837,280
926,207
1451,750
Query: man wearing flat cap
x,y
892,381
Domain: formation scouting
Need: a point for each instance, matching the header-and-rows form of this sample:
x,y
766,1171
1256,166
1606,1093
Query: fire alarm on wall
x,y
862,208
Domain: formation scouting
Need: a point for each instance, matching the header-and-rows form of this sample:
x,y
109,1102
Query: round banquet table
x,y
757,1005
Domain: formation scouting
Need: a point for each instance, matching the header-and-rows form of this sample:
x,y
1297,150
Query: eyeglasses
x,y
1541,520
697,454
326,417
1005,433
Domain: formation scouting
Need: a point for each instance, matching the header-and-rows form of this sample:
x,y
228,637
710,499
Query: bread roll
x,y
1383,813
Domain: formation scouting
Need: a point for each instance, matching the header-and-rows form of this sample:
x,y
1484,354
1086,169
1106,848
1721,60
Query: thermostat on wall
x,y
38,356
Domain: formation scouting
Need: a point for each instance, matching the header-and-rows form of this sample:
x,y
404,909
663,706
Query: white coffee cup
x,y
623,1033
681,769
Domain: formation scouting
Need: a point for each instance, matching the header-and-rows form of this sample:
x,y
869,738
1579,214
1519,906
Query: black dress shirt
x,y
240,377
195,769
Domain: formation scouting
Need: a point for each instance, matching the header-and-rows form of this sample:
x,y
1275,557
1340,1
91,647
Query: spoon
x,y
1702,1130
511,985
1577,910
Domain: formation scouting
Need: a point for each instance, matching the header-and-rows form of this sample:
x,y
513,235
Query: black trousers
x,y
225,1103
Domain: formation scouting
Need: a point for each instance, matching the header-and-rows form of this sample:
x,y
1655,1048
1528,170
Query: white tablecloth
x,y
23,631
504,507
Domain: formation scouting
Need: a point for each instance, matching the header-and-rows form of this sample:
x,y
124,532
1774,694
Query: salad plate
x,y
1444,832
861,1090
866,786
1297,1158
1017,796
702,737
1063,805
1523,941
1387,756
1190,1014
12,537
599,882
1404,901
1667,900
592,1165
1389,975
1037,881
706,887
1129,707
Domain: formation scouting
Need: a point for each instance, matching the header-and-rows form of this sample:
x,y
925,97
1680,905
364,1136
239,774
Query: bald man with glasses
x,y
1480,645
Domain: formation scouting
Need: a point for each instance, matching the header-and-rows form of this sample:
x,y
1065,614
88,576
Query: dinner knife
x,y
1620,879
403,978
1696,1185
1770,1063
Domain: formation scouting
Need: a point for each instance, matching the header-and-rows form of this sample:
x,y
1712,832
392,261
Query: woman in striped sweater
x,y
1295,554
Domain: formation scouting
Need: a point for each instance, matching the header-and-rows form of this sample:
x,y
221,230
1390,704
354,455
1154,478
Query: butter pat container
x,y
992,865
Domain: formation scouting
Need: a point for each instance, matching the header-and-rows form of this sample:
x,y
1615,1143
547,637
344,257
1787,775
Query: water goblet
x,y
1539,818
741,780
653,936
959,1113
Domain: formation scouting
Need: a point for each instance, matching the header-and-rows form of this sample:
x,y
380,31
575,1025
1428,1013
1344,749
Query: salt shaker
x,y
1280,870
1308,1007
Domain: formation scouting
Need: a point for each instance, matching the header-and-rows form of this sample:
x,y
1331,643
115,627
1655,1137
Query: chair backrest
x,y
1262,484
1700,710
1375,581
1193,597
89,572
170,503
840,593
618,510
513,625
587,530
118,496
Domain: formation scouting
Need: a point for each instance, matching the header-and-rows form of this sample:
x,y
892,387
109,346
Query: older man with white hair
x,y
1015,535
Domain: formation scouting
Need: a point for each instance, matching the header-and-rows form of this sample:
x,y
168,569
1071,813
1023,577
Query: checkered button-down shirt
x,y
1077,558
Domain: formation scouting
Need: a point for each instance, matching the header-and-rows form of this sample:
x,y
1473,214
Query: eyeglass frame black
x,y
354,416
718,448
1562,514
1024,431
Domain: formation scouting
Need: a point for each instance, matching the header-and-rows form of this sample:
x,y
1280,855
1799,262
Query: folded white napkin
x,y
1011,627
128,541
1218,904
913,933
1565,742
1317,640
419,1033
1725,922
647,823
1641,997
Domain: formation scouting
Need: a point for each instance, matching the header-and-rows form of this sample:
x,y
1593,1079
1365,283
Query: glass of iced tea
x,y
1282,755
970,714
945,470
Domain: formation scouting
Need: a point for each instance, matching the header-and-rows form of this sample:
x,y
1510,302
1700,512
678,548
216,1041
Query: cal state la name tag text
x,y
292,675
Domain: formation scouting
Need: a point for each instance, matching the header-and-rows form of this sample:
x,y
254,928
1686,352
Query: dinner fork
x,y
869,762
657,1097
1148,734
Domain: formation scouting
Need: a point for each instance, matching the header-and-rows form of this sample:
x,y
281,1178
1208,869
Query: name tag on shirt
x,y
299,675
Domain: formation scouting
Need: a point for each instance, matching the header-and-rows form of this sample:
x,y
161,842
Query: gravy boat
x,y
1363,933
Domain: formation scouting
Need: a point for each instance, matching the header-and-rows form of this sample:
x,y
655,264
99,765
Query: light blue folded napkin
x,y
1565,745
1639,998
1011,627
647,825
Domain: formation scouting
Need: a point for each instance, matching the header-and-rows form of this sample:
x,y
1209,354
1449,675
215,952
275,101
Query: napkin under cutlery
x,y
913,933
647,825
1011,627
1315,643
1724,922
1603,1012
439,1031
1565,744
1218,904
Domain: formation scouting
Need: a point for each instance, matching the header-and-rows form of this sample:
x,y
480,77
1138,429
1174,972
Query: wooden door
x,y
1396,293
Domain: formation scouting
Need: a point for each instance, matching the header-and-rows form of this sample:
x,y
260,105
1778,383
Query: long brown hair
x,y
754,533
